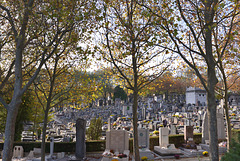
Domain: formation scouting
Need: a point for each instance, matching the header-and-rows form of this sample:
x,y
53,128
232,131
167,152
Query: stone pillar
x,y
143,113
109,124
80,139
51,145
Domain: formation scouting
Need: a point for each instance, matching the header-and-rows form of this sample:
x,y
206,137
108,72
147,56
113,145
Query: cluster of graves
x,y
117,146
157,116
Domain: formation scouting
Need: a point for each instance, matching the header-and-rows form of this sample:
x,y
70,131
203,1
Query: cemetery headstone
x,y
80,139
18,152
164,147
51,145
117,143
163,137
143,140
173,130
188,133
117,140
220,127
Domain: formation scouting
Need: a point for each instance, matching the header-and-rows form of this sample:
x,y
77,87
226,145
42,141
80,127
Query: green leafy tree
x,y
24,114
104,81
119,93
94,132
234,151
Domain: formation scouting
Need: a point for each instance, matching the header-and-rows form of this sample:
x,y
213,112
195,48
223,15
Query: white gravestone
x,y
164,147
163,137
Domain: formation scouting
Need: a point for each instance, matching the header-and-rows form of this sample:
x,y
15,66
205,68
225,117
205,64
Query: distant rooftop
x,y
195,89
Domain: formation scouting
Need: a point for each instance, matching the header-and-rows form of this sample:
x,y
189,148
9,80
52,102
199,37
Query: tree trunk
x,y
135,126
211,100
229,133
43,146
48,106
212,124
10,130
211,80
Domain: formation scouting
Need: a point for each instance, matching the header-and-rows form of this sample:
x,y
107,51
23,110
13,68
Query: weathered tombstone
x,y
143,138
18,152
205,132
117,141
188,133
143,141
80,139
220,127
173,130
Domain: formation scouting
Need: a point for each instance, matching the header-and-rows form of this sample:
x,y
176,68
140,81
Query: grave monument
x,y
143,141
220,129
80,139
117,145
164,147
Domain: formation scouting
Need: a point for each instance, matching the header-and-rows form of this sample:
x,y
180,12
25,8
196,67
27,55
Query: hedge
x,y
94,146
235,134
91,146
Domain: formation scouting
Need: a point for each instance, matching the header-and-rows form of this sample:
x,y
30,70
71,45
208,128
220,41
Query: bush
x,y
235,134
234,152
94,132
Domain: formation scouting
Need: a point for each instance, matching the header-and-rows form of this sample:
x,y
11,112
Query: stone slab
x,y
206,147
147,153
165,151
194,152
